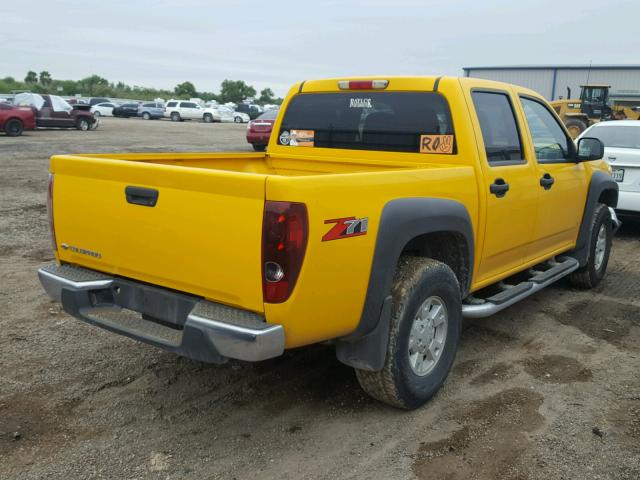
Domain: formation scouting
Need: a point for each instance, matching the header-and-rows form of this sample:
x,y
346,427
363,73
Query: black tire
x,y
14,127
575,127
259,148
96,113
146,115
594,271
83,124
207,118
237,119
175,117
417,280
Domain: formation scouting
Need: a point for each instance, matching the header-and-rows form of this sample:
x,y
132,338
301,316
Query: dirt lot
x,y
549,389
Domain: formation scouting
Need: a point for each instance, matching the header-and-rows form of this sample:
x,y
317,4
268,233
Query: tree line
x,y
96,86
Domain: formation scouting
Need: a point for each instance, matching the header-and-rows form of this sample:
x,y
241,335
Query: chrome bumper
x,y
183,324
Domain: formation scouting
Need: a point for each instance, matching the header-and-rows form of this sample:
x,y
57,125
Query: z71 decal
x,y
346,227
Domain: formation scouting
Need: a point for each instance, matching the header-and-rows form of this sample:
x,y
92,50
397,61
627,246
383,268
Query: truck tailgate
x,y
203,236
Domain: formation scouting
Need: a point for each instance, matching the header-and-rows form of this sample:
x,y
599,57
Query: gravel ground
x,y
548,389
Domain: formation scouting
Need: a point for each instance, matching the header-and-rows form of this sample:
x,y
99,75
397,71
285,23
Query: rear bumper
x,y
258,138
183,324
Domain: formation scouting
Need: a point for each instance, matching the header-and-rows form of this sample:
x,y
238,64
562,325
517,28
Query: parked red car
x,y
54,111
259,130
14,120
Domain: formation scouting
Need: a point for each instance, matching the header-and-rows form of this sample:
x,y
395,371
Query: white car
x,y
179,110
621,139
229,115
103,109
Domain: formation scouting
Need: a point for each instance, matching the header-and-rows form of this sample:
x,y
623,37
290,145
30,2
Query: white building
x,y
552,81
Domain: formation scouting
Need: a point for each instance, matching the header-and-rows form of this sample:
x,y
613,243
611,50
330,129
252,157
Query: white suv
x,y
179,110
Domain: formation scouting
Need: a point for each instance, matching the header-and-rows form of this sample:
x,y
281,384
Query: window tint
x,y
616,136
149,105
549,141
499,128
172,104
364,120
188,105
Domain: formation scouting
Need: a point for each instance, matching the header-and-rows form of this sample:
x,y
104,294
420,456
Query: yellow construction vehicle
x,y
595,104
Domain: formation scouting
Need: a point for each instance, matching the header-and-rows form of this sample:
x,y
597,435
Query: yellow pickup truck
x,y
383,212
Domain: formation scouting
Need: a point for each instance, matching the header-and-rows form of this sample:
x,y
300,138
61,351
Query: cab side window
x,y
499,128
549,140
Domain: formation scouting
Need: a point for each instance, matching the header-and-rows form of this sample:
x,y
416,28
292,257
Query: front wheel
x,y
600,239
175,117
575,127
207,118
259,148
424,333
14,127
96,113
237,119
146,116
83,124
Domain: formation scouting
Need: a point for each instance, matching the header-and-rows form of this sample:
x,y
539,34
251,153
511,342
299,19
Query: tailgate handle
x,y
147,197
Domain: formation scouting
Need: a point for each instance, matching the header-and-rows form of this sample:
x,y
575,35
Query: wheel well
x,y
449,248
609,197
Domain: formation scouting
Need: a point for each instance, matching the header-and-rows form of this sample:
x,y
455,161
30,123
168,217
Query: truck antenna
x,y
589,71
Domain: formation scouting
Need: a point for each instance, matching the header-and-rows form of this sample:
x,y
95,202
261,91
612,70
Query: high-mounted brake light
x,y
363,84
284,241
52,231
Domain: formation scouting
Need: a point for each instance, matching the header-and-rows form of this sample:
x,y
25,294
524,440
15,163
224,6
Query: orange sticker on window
x,y
301,138
436,144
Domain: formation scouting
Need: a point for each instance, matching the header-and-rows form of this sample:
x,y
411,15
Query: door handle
x,y
612,158
499,187
547,181
147,197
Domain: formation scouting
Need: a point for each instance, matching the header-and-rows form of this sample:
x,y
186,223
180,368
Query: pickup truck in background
x,y
383,212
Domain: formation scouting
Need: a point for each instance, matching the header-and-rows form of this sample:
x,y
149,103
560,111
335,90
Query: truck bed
x,y
257,163
203,233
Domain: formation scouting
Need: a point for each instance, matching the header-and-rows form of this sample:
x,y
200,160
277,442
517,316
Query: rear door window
x,y
365,120
499,128
172,104
188,105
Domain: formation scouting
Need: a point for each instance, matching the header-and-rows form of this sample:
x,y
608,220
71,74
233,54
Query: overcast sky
x,y
273,44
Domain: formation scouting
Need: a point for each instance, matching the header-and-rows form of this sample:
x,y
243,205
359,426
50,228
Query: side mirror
x,y
590,148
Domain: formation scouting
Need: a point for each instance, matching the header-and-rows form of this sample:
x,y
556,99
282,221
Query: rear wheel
x,y
575,127
207,118
146,116
175,116
14,127
83,124
600,238
259,148
426,321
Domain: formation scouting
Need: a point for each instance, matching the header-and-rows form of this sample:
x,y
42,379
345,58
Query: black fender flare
x,y
600,182
401,221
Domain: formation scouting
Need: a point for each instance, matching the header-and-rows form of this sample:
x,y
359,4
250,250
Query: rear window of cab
x,y
365,120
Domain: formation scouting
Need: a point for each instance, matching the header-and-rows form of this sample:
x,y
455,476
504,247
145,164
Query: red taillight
x,y
363,84
284,241
50,212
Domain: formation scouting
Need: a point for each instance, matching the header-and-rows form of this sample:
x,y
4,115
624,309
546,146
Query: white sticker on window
x,y
360,103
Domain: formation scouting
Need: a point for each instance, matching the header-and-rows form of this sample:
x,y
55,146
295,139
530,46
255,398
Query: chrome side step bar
x,y
510,294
